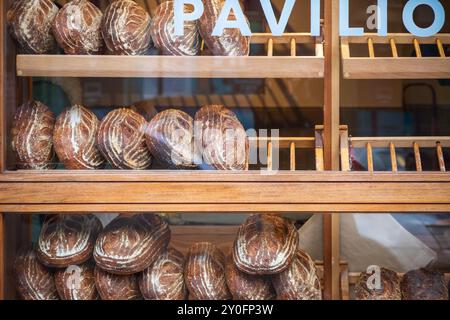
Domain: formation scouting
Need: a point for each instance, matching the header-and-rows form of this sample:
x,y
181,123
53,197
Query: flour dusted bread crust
x,y
130,244
116,287
30,23
205,273
77,282
231,42
121,140
389,289
245,286
31,136
67,240
75,139
164,279
34,281
170,139
299,281
424,284
221,138
126,28
265,244
163,32
77,28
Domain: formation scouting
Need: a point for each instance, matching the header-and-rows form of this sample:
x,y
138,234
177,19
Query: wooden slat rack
x,y
294,65
396,66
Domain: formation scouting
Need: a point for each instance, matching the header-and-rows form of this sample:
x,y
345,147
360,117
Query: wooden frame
x,y
395,67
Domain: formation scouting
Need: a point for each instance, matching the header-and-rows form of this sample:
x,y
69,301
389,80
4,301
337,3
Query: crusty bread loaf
x,y
31,136
231,42
299,281
130,244
265,244
121,140
34,281
170,138
221,138
77,28
389,289
117,287
126,28
75,139
163,32
30,23
205,273
245,286
77,282
67,240
164,279
424,284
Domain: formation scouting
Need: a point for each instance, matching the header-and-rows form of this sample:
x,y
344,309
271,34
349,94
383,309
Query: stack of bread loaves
x,y
126,140
125,28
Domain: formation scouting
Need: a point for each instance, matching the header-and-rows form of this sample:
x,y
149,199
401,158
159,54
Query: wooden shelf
x,y
154,66
395,67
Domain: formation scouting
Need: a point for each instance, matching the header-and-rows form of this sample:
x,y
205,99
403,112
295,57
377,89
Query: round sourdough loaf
x,y
389,289
126,28
221,138
116,287
245,286
170,138
121,140
231,42
205,273
164,279
34,281
76,282
67,240
424,284
31,136
75,139
299,281
30,24
265,244
77,28
163,32
130,244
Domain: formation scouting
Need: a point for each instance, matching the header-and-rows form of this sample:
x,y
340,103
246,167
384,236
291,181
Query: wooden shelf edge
x,y
396,68
170,66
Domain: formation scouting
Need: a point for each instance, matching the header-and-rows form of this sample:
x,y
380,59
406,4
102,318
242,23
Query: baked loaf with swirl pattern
x,y
130,244
82,288
121,140
300,281
231,42
126,28
116,287
205,273
221,138
245,286
31,133
389,287
77,28
164,279
30,25
34,281
67,240
265,244
75,139
163,32
170,139
424,284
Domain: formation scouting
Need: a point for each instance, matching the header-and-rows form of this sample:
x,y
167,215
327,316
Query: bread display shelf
x,y
396,66
103,66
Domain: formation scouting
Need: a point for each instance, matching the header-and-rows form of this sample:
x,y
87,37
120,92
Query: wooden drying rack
x,y
395,66
267,66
